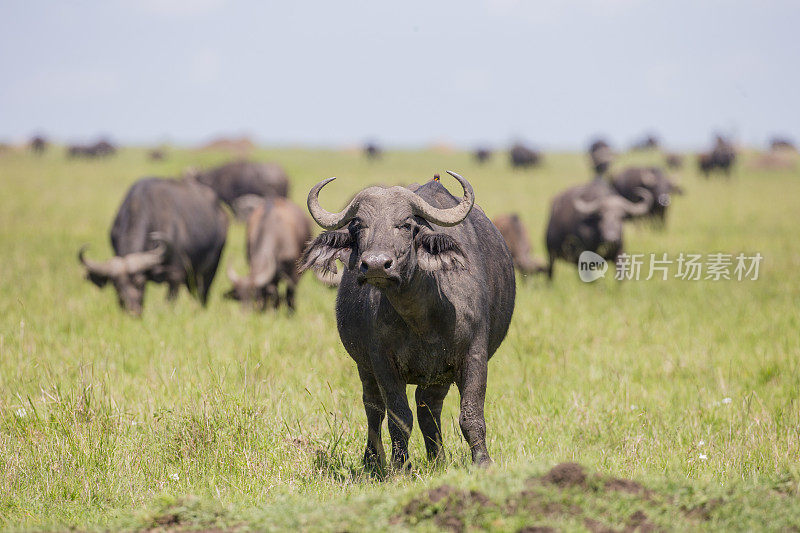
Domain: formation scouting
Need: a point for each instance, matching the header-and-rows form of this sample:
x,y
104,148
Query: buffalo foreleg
x,y
374,456
172,291
401,420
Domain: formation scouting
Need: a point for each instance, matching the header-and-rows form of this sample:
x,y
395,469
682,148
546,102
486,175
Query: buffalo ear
x,y
98,279
231,295
321,253
439,251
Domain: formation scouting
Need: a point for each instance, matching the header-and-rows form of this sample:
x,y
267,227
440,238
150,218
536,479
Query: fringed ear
x,y
98,279
321,253
439,251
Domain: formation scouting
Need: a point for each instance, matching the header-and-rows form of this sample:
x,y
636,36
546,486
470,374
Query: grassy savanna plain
x,y
218,417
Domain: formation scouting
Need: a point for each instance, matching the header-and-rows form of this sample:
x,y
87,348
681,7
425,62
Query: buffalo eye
x,y
355,226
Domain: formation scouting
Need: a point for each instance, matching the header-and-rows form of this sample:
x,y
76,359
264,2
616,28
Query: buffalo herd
x,y
427,284
173,230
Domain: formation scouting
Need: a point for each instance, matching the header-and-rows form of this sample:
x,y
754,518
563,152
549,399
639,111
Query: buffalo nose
x,y
375,263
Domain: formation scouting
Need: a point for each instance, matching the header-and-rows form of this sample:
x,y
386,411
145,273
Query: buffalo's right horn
x,y
641,207
233,276
326,219
95,267
586,207
141,261
449,216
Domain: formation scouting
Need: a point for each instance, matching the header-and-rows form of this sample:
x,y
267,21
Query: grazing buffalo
x,y
101,148
156,154
720,158
426,299
482,154
167,231
38,145
673,161
238,178
782,143
519,244
524,157
372,151
589,217
277,232
629,182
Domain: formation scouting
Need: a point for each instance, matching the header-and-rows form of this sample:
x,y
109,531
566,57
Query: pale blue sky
x,y
405,73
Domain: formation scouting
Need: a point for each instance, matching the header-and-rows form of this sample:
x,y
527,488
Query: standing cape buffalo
x,y
720,158
426,299
239,178
589,217
482,154
277,232
169,231
519,244
628,182
523,157
38,145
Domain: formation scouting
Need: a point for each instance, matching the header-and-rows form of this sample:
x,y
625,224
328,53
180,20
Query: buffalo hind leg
x,y
551,259
472,386
290,296
429,416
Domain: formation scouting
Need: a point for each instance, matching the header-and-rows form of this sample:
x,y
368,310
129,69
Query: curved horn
x,y
586,207
641,207
141,261
448,216
324,218
266,274
233,276
95,267
649,178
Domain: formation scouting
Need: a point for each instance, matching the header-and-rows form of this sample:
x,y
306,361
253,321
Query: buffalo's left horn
x,y
449,216
232,275
326,219
641,207
95,267
649,178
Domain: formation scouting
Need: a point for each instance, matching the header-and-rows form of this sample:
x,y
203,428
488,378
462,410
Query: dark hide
x,y
419,304
181,215
239,178
277,232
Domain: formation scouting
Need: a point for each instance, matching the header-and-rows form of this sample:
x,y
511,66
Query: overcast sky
x,y
327,72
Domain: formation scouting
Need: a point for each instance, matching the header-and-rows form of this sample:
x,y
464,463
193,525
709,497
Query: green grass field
x,y
216,418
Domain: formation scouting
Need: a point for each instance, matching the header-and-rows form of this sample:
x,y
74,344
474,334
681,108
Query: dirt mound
x,y
533,503
637,522
775,160
565,475
625,485
702,511
447,506
456,509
